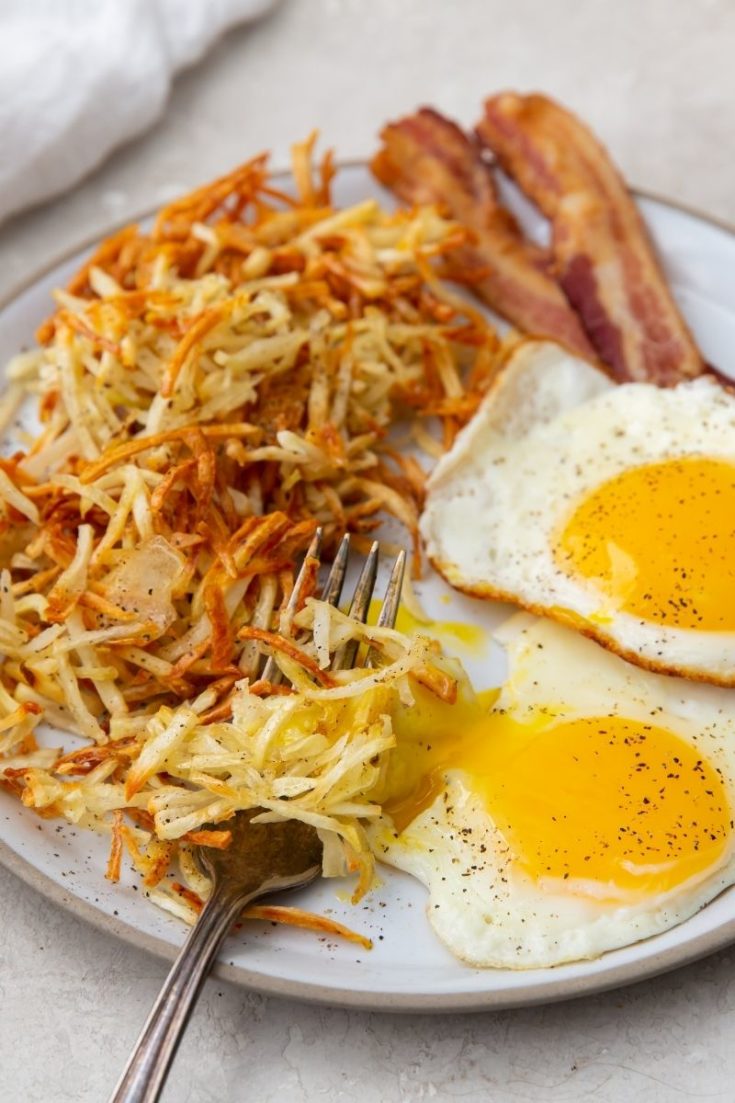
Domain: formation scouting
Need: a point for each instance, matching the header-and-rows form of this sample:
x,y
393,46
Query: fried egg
x,y
588,807
607,507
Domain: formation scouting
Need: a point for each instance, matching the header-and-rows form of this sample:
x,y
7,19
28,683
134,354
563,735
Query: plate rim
x,y
545,991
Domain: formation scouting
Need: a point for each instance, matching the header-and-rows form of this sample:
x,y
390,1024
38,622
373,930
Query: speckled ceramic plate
x,y
408,970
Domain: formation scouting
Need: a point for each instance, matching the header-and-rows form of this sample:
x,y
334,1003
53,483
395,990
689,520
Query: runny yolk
x,y
616,807
659,541
457,634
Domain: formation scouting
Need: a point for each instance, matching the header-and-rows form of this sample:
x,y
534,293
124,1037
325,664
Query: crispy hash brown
x,y
315,754
207,393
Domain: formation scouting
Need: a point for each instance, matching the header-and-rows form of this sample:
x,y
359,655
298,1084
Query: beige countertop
x,y
656,79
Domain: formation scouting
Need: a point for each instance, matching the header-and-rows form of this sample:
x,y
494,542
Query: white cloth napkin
x,y
78,77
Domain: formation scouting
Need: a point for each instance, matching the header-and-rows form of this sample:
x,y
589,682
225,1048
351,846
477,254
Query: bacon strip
x,y
426,158
604,259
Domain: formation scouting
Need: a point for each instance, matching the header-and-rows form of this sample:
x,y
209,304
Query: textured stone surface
x,y
657,80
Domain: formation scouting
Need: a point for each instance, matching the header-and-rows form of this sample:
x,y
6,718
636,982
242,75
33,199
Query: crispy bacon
x,y
426,158
604,260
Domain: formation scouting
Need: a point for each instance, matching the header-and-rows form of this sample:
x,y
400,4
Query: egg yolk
x,y
457,634
617,807
659,541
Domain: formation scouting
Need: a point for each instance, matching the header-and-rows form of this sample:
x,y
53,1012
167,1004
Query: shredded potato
x,y
207,394
315,755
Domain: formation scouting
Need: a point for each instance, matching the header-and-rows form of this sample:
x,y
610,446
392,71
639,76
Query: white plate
x,y
408,969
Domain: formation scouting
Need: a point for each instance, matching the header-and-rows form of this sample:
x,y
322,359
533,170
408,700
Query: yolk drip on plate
x,y
469,637
617,807
659,542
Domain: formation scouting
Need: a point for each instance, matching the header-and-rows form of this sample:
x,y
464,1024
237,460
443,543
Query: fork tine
x,y
360,604
392,599
271,672
333,586
359,607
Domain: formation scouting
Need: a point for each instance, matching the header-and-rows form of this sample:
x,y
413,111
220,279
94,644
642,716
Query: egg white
x,y
485,909
553,429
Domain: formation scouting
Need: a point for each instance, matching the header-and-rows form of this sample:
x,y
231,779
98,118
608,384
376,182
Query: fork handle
x,y
147,1068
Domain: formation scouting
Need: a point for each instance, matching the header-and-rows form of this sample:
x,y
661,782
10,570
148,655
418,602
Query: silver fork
x,y
261,859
